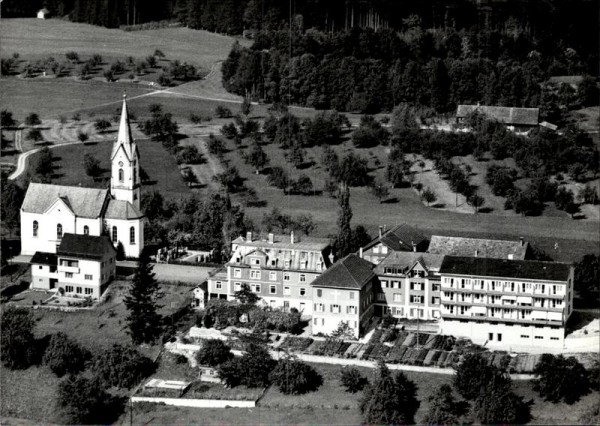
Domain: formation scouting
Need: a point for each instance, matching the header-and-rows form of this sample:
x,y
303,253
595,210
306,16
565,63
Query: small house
x,y
43,13
515,119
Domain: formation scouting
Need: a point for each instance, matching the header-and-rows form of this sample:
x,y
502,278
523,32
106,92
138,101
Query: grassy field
x,y
160,166
39,39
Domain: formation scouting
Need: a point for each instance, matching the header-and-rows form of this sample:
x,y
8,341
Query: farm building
x,y
516,119
43,13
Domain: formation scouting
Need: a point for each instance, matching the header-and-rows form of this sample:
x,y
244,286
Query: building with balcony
x,y
279,269
399,238
507,304
344,294
409,285
82,266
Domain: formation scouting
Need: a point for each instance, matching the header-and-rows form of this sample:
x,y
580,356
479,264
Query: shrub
x,y
223,112
63,355
295,377
560,379
229,131
85,401
33,119
252,369
72,56
18,348
213,353
353,380
122,366
278,178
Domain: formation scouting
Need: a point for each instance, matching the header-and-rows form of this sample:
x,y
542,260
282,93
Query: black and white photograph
x,y
300,212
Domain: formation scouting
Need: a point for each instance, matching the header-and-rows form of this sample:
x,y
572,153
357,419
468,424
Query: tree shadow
x,y
579,216
486,210
90,143
438,205
392,200
44,143
305,165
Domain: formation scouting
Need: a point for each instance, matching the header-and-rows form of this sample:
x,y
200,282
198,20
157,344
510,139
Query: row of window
x,y
237,286
525,336
78,290
86,231
413,285
466,283
316,321
87,277
303,264
404,271
335,308
256,275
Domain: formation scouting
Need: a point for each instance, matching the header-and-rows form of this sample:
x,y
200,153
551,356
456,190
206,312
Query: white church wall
x,y
132,248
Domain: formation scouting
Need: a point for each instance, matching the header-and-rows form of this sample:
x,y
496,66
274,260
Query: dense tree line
x,y
368,71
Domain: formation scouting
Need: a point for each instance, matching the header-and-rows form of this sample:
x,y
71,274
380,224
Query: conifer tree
x,y
344,236
143,320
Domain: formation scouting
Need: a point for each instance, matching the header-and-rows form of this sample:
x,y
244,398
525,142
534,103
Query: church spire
x,y
124,137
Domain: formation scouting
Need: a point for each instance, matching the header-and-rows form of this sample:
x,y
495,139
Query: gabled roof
x,y
399,238
475,247
571,80
408,259
351,272
506,115
124,138
43,258
119,209
503,268
84,202
85,246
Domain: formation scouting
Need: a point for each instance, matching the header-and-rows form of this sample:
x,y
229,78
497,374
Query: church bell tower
x,y
125,165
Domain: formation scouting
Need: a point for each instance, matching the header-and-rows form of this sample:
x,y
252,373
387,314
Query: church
x,y
50,211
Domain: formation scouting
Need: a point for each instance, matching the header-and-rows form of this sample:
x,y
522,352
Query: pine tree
x,y
344,237
143,321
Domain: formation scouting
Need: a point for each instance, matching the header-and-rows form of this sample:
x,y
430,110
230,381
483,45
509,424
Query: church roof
x,y
118,209
85,246
124,137
84,202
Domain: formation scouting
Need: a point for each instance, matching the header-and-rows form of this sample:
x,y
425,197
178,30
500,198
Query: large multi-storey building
x,y
279,268
510,304
344,294
409,285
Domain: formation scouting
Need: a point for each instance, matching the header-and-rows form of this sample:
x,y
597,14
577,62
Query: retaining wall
x,y
196,403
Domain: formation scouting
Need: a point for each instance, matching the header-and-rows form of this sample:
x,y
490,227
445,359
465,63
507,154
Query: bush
x,y
353,380
560,379
64,355
213,353
86,401
278,178
295,377
18,348
122,366
252,369
223,112
189,155
229,131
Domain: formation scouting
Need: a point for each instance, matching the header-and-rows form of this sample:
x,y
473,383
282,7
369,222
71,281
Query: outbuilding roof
x,y
400,238
84,202
405,260
119,209
459,246
85,246
351,272
503,268
43,258
506,115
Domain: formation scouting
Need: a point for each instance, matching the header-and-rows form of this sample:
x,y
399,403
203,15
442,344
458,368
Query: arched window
x,y
59,232
132,235
86,230
114,234
121,175
35,228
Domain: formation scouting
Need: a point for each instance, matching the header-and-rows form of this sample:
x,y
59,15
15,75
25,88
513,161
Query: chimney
x,y
360,252
414,246
271,238
248,236
380,231
331,258
522,241
292,237
476,252
384,228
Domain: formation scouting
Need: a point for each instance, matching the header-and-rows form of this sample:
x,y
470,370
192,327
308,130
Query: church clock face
x,y
120,164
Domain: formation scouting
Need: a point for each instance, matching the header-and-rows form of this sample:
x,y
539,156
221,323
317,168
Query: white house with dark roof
x,y
50,211
517,119
82,266
399,238
344,294
506,304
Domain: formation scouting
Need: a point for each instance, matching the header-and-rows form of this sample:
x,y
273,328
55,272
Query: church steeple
x,y
125,178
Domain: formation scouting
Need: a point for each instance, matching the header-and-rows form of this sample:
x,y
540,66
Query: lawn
x,y
162,170
573,238
34,38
